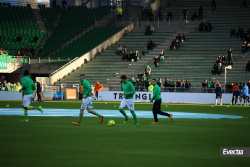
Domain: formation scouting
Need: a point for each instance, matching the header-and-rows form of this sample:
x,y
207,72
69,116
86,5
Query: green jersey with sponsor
x,y
128,88
86,88
28,86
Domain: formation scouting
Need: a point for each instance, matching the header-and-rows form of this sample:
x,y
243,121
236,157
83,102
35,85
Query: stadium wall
x,y
10,95
61,72
203,98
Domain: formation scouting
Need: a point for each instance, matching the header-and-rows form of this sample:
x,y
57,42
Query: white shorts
x,y
26,100
127,103
87,103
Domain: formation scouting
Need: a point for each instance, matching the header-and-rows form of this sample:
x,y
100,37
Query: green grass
x,y
54,141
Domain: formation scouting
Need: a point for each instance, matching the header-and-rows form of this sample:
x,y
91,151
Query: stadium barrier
x,y
61,72
178,97
10,95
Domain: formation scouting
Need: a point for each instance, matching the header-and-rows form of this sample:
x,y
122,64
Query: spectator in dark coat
x,y
32,51
170,15
244,3
213,5
159,13
195,15
232,33
41,50
19,38
201,26
200,12
230,56
248,66
35,39
142,12
187,85
240,32
185,12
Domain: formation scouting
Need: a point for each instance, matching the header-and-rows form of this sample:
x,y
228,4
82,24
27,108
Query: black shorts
x,y
217,95
157,105
245,97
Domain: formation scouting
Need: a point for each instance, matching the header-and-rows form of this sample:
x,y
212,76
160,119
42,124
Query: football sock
x,y
79,120
25,113
98,115
32,108
123,113
134,116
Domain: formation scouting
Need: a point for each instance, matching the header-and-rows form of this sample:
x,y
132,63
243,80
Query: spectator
x,y
133,80
177,44
137,56
232,33
8,85
27,51
187,85
228,87
19,38
64,5
149,46
32,51
152,29
245,94
178,84
248,66
146,13
220,68
230,57
124,49
159,13
13,87
147,70
6,89
240,32
247,38
219,59
178,36
156,61
185,12
131,56
137,84
170,15
195,15
54,3
223,60
119,13
204,86
125,56
142,12
201,26
41,50
18,86
244,34
209,25
182,86
200,12
147,84
144,51
172,86
183,38
172,44
140,75
147,30
150,88
141,85
161,55
244,47
210,86
213,5
153,45
159,83
244,3
22,51
151,13
35,39
166,84
98,87
248,48
144,77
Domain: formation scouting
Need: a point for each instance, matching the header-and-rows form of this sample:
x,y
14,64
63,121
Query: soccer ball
x,y
111,123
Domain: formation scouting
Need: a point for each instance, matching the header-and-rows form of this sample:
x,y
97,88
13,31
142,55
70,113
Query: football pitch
x,y
54,141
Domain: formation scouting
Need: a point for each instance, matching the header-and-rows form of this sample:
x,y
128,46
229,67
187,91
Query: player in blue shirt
x,y
237,94
245,94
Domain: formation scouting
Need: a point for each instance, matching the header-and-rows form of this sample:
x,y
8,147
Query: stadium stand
x,y
49,15
17,20
72,22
